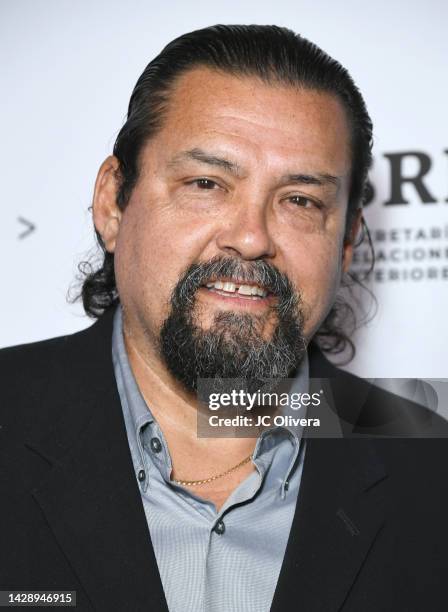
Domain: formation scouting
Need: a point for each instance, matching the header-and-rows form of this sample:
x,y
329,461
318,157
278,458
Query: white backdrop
x,y
67,71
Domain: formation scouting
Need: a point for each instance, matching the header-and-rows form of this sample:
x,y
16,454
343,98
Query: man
x,y
227,216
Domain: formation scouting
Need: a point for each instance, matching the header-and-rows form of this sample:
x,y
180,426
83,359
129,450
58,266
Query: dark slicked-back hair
x,y
273,54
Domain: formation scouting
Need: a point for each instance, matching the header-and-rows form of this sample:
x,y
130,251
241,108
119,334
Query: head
x,y
228,212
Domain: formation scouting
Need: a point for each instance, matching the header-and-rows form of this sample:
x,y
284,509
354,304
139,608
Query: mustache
x,y
259,272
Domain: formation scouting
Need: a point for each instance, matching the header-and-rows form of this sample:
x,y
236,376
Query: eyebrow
x,y
320,179
207,158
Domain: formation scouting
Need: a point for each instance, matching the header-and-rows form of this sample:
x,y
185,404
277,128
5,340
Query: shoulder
x,y
33,360
33,376
25,372
28,360
405,438
392,408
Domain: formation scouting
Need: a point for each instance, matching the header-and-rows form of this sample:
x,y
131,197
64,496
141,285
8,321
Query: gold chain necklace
x,y
194,483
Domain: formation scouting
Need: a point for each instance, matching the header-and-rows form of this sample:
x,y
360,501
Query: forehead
x,y
269,122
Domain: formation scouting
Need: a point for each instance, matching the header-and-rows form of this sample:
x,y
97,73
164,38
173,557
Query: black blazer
x,y
369,532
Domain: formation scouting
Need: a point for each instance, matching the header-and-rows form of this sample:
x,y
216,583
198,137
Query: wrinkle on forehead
x,y
282,128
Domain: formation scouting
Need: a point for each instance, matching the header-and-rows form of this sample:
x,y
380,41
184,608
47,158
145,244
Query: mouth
x,y
236,288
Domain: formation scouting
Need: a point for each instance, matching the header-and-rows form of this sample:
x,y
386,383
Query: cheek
x,y
135,252
153,249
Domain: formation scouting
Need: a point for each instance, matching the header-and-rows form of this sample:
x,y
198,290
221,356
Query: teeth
x,y
229,287
249,290
246,290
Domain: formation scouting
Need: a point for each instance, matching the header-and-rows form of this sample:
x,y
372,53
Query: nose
x,y
245,232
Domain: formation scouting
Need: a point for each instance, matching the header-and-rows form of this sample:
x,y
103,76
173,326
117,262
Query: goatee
x,y
233,347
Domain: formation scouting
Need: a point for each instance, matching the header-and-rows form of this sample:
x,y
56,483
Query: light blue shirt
x,y
209,561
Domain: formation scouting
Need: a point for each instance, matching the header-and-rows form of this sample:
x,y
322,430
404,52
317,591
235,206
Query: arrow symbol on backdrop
x,y
30,227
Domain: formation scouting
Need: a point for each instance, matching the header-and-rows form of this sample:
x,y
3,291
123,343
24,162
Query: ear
x,y
106,214
349,242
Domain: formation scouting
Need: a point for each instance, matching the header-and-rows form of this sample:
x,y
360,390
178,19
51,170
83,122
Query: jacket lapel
x,y
340,511
90,496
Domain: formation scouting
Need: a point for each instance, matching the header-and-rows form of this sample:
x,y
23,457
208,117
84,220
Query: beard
x,y
233,346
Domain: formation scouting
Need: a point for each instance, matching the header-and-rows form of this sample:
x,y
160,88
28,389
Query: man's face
x,y
245,172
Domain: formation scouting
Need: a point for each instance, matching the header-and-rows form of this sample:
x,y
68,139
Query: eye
x,y
303,201
204,183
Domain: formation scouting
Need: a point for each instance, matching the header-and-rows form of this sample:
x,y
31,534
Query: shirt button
x,y
141,475
286,485
219,528
156,445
